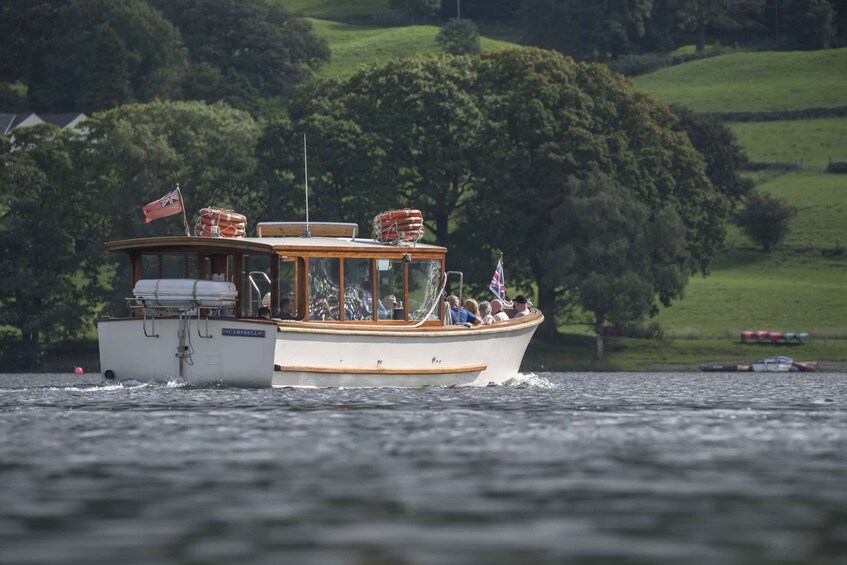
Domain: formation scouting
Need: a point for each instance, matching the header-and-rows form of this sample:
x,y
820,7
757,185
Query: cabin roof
x,y
265,245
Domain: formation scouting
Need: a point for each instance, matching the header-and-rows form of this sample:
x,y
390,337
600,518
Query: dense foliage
x,y
50,243
243,50
765,219
459,37
88,55
490,147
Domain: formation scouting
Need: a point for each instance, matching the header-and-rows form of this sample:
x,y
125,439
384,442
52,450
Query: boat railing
x,y
185,309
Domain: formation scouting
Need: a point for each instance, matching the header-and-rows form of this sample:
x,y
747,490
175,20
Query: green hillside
x,y
810,142
354,45
754,82
334,8
799,286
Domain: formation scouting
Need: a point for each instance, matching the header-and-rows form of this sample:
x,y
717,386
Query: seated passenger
x,y
497,311
459,315
485,312
521,306
264,312
286,309
472,307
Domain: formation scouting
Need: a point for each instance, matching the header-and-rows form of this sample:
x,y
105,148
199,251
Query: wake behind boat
x,y
281,309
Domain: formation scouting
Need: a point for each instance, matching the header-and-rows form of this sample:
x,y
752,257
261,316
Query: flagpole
x,y
503,268
184,217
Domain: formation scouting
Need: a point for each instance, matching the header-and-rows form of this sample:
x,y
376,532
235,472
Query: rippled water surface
x,y
556,468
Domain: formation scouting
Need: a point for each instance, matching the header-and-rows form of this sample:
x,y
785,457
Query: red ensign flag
x,y
165,206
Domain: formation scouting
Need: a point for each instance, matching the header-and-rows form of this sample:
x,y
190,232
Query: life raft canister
x,y
395,226
219,222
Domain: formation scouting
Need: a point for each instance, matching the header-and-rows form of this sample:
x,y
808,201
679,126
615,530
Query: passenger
x,y
485,312
367,303
322,310
472,307
265,312
497,311
521,306
390,303
460,315
286,309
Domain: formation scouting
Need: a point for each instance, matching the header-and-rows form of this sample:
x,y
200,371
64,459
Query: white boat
x,y
195,307
778,364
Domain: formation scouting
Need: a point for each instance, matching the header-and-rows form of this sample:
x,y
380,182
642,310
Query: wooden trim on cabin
x,y
359,252
411,371
172,244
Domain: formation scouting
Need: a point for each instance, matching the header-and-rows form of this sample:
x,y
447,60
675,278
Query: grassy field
x,y
754,82
812,142
335,8
576,353
354,46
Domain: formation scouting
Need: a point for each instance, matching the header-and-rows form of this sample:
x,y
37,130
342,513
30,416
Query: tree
x,y
618,256
765,219
727,15
244,49
810,24
401,134
458,37
416,8
48,243
88,55
724,157
137,153
482,144
586,30
547,119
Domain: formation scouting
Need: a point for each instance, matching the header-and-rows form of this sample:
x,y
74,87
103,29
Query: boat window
x,y
256,283
424,284
150,266
323,288
358,291
391,288
286,289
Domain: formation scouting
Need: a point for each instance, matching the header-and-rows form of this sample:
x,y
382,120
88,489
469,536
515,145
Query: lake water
x,y
556,468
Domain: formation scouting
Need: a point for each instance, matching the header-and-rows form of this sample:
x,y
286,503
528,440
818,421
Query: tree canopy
x,y
484,146
243,49
49,228
88,55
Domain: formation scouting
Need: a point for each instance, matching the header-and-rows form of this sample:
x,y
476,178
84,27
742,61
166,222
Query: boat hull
x,y
238,353
247,353
325,356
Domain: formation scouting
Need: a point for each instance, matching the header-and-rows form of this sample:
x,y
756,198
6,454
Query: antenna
x,y
308,232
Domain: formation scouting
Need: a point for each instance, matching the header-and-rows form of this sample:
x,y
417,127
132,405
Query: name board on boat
x,y
238,332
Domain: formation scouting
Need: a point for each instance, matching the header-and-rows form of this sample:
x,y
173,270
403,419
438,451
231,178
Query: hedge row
x,y
838,167
771,166
807,114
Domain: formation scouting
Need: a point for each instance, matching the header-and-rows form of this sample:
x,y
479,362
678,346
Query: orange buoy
x,y
222,214
219,222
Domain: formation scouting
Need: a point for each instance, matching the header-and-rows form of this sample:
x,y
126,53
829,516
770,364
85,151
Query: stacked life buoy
x,y
225,222
398,226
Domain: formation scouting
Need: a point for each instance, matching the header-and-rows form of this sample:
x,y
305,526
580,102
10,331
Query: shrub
x,y
765,219
459,37
839,167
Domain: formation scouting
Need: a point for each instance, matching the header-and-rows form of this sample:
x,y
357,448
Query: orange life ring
x,y
394,235
201,231
209,222
402,225
397,214
221,214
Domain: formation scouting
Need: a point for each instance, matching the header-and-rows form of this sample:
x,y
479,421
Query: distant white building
x,y
8,122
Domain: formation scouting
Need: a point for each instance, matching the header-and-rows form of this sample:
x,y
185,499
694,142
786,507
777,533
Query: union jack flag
x,y
168,205
498,281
